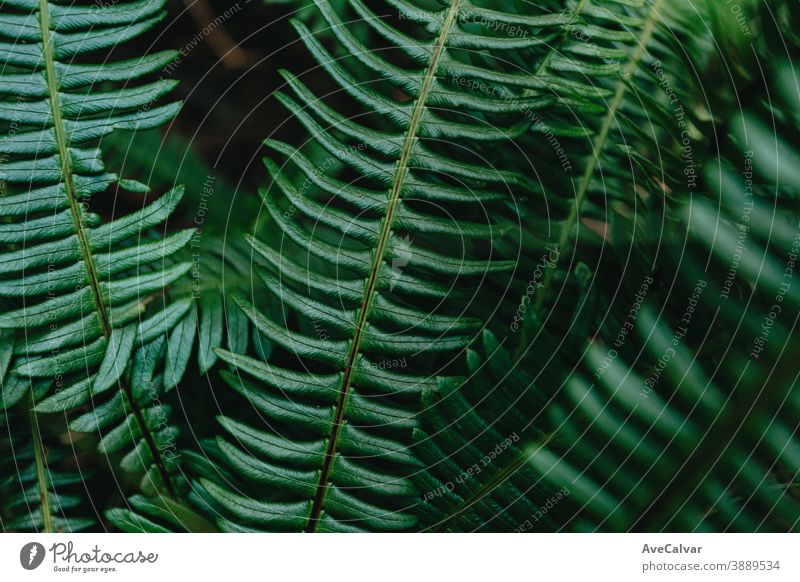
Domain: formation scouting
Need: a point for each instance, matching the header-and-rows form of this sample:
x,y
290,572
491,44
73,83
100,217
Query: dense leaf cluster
x,y
518,270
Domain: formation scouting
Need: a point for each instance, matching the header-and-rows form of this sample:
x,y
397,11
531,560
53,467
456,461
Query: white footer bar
x,y
401,558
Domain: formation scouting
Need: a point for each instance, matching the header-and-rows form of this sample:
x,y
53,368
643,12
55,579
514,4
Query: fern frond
x,y
475,436
87,292
659,427
157,515
42,490
354,298
218,270
465,486
694,431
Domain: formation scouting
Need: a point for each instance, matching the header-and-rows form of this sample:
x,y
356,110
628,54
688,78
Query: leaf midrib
x,y
80,230
40,459
66,166
597,148
386,229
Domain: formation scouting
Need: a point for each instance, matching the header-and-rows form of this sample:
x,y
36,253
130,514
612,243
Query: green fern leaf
x,y
86,290
362,269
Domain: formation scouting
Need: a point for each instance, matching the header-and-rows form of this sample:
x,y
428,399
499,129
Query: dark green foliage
x,y
682,414
370,273
86,293
31,457
489,285
697,429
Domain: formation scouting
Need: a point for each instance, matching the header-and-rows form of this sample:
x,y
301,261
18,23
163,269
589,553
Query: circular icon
x,y
31,555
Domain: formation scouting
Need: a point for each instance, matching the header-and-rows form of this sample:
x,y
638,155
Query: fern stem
x,y
66,165
597,147
41,473
386,229
80,229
